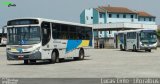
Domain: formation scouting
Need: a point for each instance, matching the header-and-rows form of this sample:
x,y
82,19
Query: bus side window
x,y
79,32
88,33
46,32
72,32
56,30
64,31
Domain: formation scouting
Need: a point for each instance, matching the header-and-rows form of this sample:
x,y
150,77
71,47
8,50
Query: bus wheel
x,y
81,54
54,58
121,48
32,61
26,62
149,50
134,48
125,48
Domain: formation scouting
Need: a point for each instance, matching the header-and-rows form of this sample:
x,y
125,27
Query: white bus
x,y
141,39
3,36
32,39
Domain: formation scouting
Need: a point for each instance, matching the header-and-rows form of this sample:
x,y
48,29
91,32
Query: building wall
x,y
82,17
89,16
92,16
110,34
95,16
114,18
104,34
146,20
102,18
100,34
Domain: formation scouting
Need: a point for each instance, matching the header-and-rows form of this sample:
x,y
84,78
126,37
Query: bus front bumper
x,y
146,48
28,56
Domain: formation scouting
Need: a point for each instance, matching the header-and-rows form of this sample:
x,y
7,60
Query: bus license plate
x,y
20,57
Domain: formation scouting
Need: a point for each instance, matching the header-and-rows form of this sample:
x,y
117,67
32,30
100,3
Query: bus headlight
x,y
142,44
36,50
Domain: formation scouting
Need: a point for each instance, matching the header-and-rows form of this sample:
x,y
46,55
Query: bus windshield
x,y
23,35
148,37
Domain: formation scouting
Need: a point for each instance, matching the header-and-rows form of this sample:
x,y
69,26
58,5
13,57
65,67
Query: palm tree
x,y
158,35
158,31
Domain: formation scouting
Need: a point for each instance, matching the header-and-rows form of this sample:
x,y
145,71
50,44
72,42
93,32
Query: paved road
x,y
101,64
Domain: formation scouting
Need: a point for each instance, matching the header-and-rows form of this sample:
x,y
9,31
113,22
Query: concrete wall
x,y
104,43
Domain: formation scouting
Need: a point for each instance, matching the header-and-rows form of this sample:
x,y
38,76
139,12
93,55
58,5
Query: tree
x,y
158,33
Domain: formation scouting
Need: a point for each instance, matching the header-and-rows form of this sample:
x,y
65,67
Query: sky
x,y
69,10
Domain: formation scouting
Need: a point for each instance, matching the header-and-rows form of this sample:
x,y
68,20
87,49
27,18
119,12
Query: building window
x,y
87,17
110,15
150,19
101,15
131,35
100,32
136,16
117,15
131,16
144,19
109,32
124,15
138,19
154,19
91,17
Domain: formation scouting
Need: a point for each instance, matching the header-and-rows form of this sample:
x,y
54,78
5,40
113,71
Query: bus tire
x,y
121,48
81,54
145,50
26,62
134,48
32,61
54,58
149,50
125,48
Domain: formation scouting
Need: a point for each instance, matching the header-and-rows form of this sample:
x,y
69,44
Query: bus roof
x,y
55,21
137,30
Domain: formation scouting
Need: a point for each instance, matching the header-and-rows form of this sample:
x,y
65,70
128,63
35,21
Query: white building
x,y
107,20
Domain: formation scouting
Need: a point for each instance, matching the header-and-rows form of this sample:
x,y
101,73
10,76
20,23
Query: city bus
x,y
3,36
32,39
141,39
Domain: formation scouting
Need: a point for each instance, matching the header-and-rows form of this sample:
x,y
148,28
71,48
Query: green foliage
x,y
158,33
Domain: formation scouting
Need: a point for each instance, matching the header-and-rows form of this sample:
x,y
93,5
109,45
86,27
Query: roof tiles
x,y
123,10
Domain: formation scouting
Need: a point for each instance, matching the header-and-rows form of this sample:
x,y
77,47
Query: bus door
x,y
3,36
116,40
125,41
0,37
138,40
46,34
